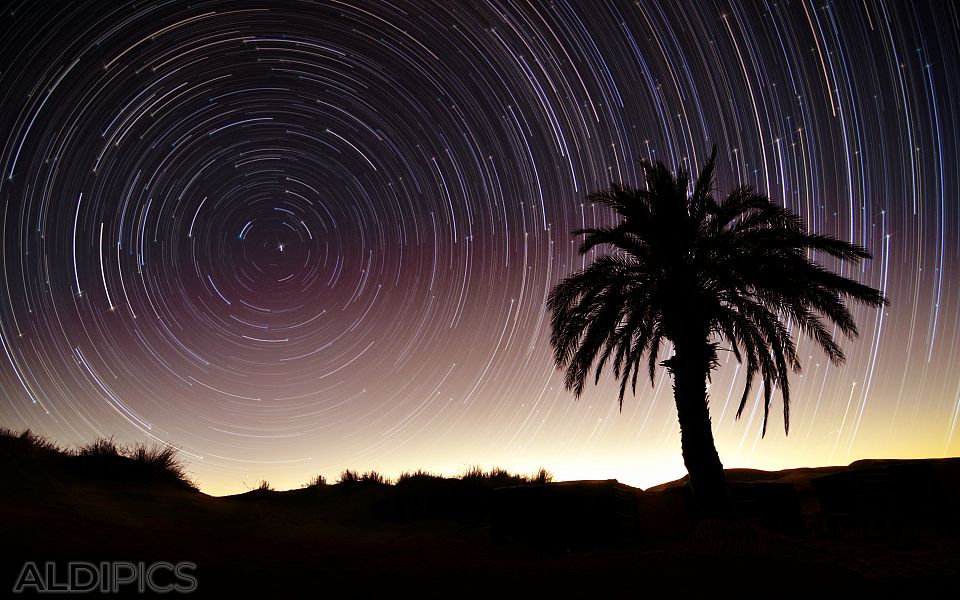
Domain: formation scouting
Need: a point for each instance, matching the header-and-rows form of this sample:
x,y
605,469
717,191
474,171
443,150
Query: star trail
x,y
293,237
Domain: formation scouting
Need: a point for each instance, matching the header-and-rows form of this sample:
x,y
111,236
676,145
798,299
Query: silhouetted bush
x,y
160,460
26,441
374,478
420,494
414,477
104,458
99,448
350,478
542,476
38,441
497,477
316,481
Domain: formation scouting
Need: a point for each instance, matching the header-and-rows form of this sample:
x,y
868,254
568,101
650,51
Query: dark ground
x,y
431,537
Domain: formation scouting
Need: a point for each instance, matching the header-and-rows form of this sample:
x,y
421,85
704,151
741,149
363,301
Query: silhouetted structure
x,y
694,271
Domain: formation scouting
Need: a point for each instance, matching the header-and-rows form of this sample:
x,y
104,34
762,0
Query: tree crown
x,y
684,267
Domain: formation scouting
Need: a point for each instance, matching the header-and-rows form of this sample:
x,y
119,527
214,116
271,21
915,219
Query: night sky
x,y
295,237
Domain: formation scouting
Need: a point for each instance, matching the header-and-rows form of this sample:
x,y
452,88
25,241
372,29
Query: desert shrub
x,y
163,457
375,478
105,458
316,481
542,476
27,440
496,473
162,460
475,472
263,486
349,478
498,477
418,476
100,447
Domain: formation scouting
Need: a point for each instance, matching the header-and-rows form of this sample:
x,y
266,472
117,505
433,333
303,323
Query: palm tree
x,y
688,269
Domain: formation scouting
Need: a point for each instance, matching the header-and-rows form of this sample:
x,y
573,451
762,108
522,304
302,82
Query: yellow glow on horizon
x,y
642,469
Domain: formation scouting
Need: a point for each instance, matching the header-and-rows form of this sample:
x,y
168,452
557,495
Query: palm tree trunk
x,y
690,366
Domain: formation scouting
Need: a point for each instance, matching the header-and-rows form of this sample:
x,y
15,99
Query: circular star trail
x,y
293,237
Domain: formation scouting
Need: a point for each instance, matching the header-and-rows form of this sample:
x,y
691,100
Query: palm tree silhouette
x,y
698,272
